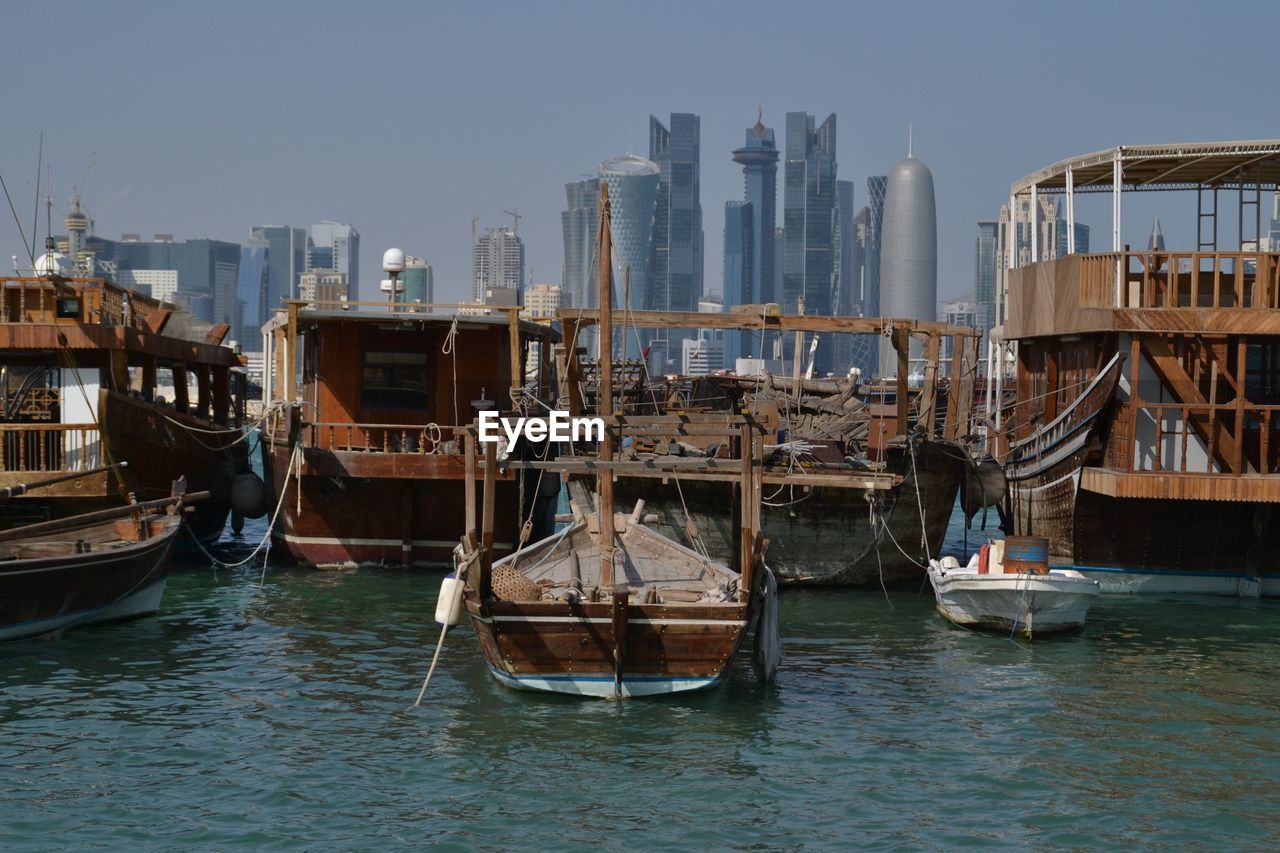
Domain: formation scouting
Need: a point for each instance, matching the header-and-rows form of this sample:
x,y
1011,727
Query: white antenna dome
x,y
53,263
393,261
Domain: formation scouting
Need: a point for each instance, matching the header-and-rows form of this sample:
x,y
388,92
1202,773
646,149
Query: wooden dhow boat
x,y
92,374
855,493
102,566
1145,441
609,607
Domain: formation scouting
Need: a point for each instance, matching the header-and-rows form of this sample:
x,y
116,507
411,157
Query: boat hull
x,y
46,595
557,647
823,536
1029,604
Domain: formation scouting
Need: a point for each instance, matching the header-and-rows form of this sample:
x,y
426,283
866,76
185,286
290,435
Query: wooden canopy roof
x,y
1164,167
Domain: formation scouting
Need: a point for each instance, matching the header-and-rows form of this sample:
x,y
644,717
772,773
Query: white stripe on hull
x,y
1134,581
144,602
380,543
601,687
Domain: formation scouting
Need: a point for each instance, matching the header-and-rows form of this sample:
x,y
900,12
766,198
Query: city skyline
x,y
177,170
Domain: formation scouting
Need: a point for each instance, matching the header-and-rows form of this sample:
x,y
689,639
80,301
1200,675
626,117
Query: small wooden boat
x,y
102,566
608,607
1007,595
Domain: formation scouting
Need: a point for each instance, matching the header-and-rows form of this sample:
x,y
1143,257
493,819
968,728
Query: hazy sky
x,y
406,119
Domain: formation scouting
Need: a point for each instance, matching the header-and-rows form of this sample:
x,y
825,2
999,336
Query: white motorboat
x,y
986,594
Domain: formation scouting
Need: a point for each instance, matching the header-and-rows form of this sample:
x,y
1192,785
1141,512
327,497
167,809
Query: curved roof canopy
x,y
1164,167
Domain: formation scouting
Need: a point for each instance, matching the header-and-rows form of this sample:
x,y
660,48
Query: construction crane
x,y
515,220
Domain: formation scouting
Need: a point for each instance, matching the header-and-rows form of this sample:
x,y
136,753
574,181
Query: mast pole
x,y
604,479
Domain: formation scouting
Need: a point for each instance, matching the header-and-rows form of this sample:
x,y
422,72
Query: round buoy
x,y
249,495
449,604
237,521
984,486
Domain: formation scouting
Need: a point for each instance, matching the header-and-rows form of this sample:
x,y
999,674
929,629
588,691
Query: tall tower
x,y
739,277
871,251
286,261
909,251
579,223
809,219
984,272
676,268
759,159
497,261
633,190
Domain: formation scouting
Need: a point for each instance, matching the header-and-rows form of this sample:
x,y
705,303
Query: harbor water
x,y
277,713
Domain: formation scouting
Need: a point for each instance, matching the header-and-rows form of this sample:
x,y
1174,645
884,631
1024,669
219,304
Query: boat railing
x,y
1239,435
71,300
49,447
1155,280
385,438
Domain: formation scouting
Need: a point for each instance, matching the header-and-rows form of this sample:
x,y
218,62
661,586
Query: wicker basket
x,y
509,584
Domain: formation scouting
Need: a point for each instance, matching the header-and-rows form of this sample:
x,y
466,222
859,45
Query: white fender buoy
x,y
449,604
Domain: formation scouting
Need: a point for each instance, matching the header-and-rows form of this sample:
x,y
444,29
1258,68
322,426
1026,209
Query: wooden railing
x,y
49,447
77,300
1249,428
385,438
1181,280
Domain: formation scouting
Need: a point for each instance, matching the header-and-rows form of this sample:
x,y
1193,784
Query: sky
x,y
408,119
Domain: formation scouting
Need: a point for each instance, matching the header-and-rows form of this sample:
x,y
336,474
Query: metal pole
x,y
1117,180
1035,223
1071,211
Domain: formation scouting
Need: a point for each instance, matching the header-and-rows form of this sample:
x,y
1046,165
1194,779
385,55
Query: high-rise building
x,y
809,214
739,274
846,275
675,271
419,282
633,190
871,245
704,351
201,272
497,261
908,251
864,350
338,245
580,223
325,286
965,311
1051,240
759,159
984,273
252,285
286,260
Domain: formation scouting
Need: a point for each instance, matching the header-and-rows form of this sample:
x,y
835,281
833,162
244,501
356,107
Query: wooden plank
x,y
469,445
517,361
486,517
783,323
1150,485
1184,389
929,396
215,335
902,344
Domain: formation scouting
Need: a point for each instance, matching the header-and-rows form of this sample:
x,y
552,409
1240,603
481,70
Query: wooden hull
x,y
824,536
567,648
158,451
56,588
351,509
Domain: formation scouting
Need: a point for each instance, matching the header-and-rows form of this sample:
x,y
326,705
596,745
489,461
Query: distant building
x,y
419,282
984,273
871,245
497,261
158,284
205,270
579,223
739,273
541,301
846,275
633,190
252,286
908,251
759,159
704,352
965,311
675,270
336,246
1051,240
324,286
286,260
809,213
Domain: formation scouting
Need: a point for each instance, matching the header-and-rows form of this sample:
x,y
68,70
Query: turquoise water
x,y
278,715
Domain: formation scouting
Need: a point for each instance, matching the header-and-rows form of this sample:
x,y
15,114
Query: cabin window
x,y
394,380
68,308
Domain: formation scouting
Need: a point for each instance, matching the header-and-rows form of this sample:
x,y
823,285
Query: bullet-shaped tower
x,y
908,251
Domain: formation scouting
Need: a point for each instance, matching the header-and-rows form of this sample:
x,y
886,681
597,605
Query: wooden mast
x,y
604,480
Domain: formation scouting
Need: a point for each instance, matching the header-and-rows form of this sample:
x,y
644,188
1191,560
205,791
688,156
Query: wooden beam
x,y
1224,446
486,517
951,426
784,323
215,336
517,363
929,396
902,343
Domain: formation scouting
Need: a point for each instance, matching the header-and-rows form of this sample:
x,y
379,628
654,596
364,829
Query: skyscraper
x,y
739,276
286,260
676,268
633,191
497,261
984,272
871,250
909,251
759,159
809,220
579,223
252,286
419,282
343,242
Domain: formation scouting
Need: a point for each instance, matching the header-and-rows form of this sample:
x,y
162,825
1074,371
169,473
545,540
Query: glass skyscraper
x,y
739,273
759,159
286,260
251,294
871,251
633,190
579,224
344,241
984,272
809,219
